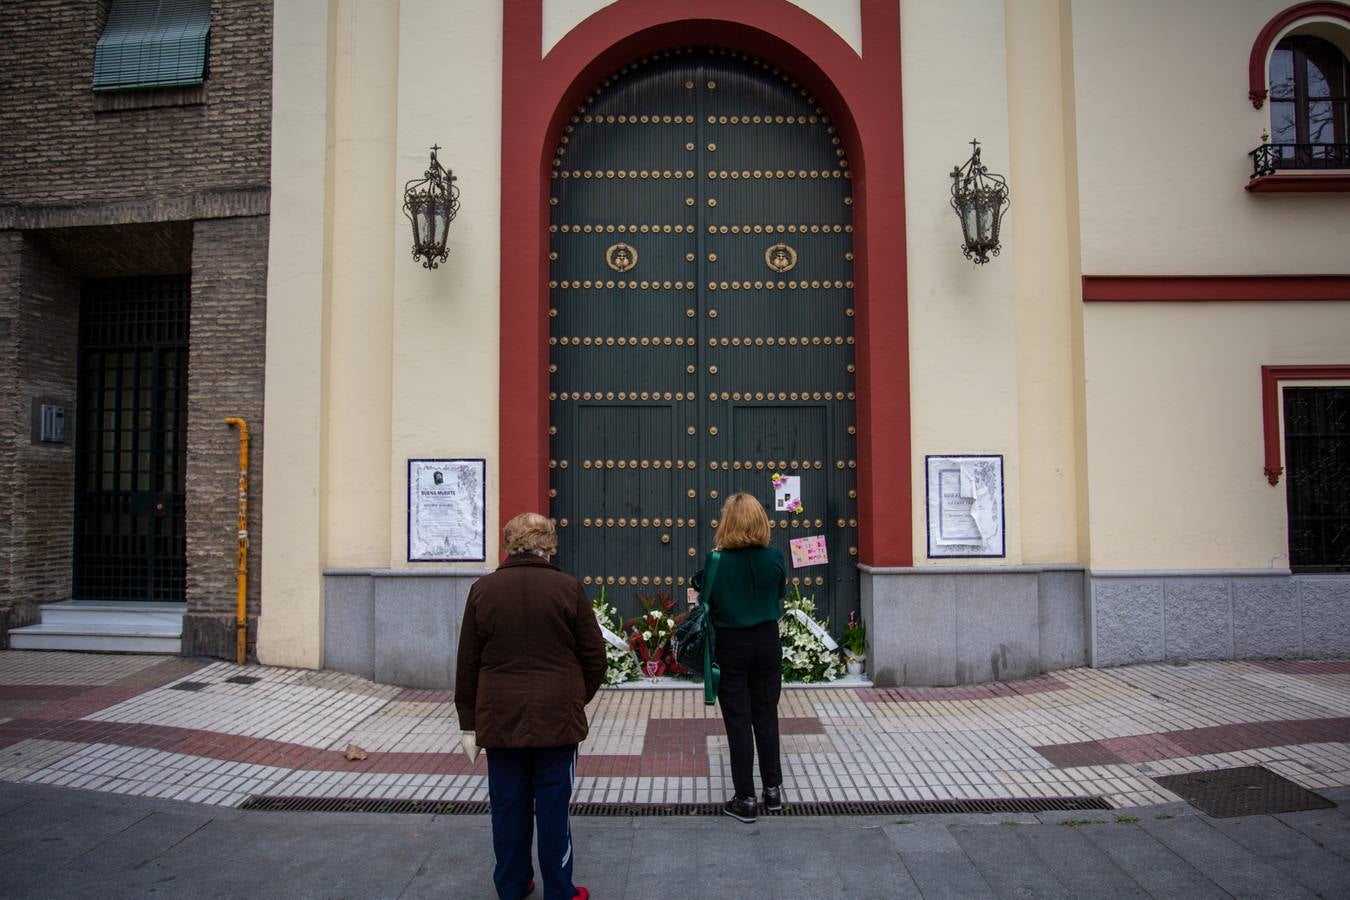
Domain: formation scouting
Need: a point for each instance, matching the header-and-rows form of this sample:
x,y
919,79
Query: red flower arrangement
x,y
649,635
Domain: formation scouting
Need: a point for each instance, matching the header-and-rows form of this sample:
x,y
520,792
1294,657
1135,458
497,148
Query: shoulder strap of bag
x,y
713,560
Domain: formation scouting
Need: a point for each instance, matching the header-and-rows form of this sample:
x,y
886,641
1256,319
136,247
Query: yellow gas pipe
x,y
241,566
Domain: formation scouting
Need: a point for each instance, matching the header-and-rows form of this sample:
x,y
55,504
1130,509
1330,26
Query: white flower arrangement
x,y
621,665
805,656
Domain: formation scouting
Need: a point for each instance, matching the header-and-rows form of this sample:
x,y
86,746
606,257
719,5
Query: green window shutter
x,y
153,43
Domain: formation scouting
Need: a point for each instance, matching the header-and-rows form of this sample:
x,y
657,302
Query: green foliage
x,y
854,640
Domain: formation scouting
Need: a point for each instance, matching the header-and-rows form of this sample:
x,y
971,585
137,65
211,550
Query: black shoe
x,y
773,798
742,809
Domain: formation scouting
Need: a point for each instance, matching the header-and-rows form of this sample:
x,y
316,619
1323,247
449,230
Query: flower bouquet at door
x,y
621,665
806,656
649,635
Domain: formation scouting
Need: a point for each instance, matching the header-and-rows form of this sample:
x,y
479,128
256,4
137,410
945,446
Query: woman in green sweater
x,y
746,601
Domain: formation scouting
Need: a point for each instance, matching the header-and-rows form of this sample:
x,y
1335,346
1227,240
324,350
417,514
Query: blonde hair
x,y
530,532
744,523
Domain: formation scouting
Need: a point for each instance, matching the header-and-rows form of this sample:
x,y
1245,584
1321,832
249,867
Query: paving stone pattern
x,y
115,724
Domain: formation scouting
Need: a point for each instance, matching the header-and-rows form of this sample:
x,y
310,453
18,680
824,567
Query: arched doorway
x,y
701,322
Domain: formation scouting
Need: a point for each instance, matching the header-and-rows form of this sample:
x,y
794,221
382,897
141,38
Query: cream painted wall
x,y
1164,128
963,326
843,16
1174,428
290,627
366,202
1044,271
445,322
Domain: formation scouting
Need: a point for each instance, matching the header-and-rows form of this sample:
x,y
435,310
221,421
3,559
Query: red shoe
x,y
581,894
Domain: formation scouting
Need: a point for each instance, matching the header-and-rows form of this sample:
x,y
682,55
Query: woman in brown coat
x,y
530,659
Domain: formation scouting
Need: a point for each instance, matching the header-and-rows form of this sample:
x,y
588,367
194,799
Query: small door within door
x,y
130,440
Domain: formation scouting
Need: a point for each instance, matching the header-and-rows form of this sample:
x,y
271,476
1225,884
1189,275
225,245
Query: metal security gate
x,y
702,323
1317,457
130,440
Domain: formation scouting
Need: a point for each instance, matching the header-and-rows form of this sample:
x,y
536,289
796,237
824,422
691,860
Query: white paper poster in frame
x,y
447,510
965,506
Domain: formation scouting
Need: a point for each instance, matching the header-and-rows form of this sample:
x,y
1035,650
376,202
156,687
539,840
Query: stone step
x,y
105,638
108,626
113,612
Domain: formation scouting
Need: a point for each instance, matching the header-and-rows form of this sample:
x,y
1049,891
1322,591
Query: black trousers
x,y
752,680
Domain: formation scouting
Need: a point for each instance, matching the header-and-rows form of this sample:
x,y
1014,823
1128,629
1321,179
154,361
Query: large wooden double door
x,y
701,333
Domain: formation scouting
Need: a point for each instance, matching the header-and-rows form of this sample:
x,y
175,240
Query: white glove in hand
x,y
469,741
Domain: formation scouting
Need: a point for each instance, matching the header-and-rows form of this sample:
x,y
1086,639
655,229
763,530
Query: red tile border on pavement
x,y
671,747
1197,742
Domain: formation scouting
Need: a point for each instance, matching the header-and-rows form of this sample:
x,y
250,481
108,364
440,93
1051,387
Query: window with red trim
x,y
1308,97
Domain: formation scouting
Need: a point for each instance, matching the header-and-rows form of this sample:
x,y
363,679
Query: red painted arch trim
x,y
1271,376
1257,88
863,96
1213,288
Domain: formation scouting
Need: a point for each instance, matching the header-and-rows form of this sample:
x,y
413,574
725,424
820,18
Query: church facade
x,y
701,246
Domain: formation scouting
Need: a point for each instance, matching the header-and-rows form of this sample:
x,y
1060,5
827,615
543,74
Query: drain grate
x,y
242,679
188,686
265,803
1244,791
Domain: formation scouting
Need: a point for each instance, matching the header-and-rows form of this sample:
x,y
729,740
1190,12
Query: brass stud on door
x,y
665,539
712,495
692,552
712,430
691,430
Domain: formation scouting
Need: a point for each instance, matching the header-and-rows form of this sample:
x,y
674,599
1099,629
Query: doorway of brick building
x,y
130,444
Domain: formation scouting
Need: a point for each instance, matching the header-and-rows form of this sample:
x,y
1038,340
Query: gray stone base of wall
x,y
930,627
395,626
214,635
1150,616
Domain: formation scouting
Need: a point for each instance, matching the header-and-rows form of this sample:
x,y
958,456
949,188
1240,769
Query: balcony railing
x,y
1269,159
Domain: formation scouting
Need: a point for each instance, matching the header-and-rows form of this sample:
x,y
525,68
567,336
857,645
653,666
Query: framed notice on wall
x,y
965,506
447,510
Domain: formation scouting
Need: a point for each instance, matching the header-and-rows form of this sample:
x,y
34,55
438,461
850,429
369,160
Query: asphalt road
x,y
59,843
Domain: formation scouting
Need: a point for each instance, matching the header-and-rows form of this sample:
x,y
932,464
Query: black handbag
x,y
694,639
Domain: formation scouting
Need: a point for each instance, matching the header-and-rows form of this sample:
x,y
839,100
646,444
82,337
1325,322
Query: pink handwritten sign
x,y
809,551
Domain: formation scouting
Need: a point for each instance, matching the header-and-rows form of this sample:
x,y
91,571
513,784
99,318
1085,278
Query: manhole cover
x,y
188,686
1244,791
242,679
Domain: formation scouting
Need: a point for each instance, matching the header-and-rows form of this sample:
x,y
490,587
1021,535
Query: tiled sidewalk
x,y
218,733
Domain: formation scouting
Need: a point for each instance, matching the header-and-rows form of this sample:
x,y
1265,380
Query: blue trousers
x,y
526,787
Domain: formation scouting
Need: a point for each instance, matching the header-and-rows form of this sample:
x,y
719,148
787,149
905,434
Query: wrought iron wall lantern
x,y
980,199
430,203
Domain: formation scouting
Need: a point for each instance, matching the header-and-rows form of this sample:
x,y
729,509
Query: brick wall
x,y
41,304
225,378
60,149
125,184
11,250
